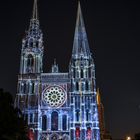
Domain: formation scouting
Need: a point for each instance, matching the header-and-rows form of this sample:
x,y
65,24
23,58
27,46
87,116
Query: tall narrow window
x,y
37,44
89,72
24,88
44,122
87,115
72,99
74,73
77,86
82,86
30,60
87,86
31,43
54,121
35,117
31,118
81,73
33,88
89,133
77,115
64,122
18,88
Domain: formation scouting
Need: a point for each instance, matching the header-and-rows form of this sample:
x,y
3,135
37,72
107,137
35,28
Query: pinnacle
x,y
35,10
80,45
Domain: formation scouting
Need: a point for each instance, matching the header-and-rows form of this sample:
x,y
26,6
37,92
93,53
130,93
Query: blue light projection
x,y
58,106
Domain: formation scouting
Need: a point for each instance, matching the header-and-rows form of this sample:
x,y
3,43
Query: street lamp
x,y
128,138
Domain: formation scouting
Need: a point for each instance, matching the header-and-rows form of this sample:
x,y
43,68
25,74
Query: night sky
x,y
113,29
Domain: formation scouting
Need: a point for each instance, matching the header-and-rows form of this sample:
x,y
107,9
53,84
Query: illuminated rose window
x,y
54,96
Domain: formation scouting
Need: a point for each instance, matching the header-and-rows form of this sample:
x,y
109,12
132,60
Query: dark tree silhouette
x,y
12,124
137,136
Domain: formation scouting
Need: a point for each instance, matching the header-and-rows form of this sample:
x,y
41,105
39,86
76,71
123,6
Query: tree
x,y
12,124
137,136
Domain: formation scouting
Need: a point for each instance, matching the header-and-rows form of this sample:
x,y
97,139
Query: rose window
x,y
54,96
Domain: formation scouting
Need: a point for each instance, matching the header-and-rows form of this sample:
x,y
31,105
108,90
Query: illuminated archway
x,y
54,121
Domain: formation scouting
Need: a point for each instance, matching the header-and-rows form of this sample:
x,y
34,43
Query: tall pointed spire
x,y
80,45
35,10
34,28
79,20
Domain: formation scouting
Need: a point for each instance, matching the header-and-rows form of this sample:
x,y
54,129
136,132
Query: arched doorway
x,y
54,121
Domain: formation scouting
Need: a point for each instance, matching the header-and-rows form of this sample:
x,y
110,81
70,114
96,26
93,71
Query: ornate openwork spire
x,y
80,45
34,35
35,10
34,28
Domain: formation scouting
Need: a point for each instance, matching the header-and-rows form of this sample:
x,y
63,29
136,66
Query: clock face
x,y
54,96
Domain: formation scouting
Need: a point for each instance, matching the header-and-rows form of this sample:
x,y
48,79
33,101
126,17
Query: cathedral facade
x,y
57,105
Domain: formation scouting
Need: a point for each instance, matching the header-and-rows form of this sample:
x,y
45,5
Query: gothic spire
x,y
35,10
34,28
80,45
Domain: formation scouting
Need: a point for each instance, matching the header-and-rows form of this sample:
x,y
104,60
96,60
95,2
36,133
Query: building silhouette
x,y
58,105
104,134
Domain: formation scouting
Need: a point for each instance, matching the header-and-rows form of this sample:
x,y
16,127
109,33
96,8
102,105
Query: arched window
x,y
89,72
89,133
54,121
77,86
87,115
31,43
31,118
77,102
64,122
24,88
32,88
77,132
82,86
77,115
87,86
81,73
72,99
30,60
44,122
18,88
35,117
37,44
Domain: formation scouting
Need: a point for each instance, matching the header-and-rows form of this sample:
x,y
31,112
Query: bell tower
x,y
31,67
32,46
84,120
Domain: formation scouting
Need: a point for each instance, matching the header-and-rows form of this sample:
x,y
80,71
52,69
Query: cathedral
x,y
58,105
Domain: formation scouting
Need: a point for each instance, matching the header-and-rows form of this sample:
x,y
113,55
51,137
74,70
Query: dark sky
x,y
113,29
